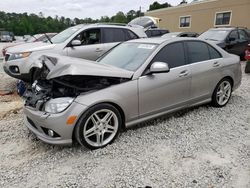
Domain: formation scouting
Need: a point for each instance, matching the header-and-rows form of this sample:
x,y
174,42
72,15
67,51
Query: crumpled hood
x,y
30,47
59,65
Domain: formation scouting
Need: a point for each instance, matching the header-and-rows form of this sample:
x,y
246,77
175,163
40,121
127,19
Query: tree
x,y
119,18
183,2
157,5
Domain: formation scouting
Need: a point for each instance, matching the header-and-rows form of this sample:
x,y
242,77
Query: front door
x,y
91,47
162,91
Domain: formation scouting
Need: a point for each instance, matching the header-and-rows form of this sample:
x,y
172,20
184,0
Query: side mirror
x,y
158,67
76,43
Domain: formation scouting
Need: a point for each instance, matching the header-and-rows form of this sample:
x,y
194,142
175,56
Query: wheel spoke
x,y
227,94
90,132
107,117
99,138
110,127
221,99
94,120
226,88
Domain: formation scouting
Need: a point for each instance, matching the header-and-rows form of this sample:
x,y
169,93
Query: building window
x,y
185,21
223,18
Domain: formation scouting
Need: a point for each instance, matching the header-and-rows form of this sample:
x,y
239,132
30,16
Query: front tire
x,y
222,93
98,126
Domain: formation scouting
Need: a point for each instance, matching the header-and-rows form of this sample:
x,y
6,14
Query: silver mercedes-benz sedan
x,y
91,102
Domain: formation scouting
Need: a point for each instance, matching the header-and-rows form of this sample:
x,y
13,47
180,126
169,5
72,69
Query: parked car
x,y
232,39
5,36
180,34
247,57
136,81
82,41
156,32
34,38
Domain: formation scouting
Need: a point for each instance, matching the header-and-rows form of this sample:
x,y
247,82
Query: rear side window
x,y
130,35
243,35
197,51
214,54
113,35
173,54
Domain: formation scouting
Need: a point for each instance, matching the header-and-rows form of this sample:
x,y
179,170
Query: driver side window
x,y
172,54
88,37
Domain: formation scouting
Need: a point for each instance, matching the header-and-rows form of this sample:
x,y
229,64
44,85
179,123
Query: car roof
x,y
111,25
161,40
223,28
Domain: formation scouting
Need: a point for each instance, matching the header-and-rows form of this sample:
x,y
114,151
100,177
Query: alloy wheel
x,y
100,128
223,92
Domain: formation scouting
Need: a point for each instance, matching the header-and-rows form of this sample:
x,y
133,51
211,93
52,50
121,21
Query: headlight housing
x,y
19,55
58,105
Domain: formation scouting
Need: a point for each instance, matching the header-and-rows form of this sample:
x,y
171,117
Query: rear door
x,y
205,64
113,36
163,91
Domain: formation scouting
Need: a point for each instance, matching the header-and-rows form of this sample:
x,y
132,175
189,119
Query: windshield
x,y
129,56
34,38
64,35
216,35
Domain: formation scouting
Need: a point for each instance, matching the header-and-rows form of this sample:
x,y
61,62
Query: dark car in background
x,y
232,39
180,34
156,32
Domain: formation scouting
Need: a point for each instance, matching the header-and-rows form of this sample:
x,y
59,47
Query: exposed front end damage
x,y
44,89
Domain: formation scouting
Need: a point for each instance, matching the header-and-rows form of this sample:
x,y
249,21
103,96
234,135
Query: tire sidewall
x,y
80,124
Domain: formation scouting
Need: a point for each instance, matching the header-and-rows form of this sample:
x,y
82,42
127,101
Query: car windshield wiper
x,y
48,38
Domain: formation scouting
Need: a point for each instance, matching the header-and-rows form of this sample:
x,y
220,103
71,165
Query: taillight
x,y
247,53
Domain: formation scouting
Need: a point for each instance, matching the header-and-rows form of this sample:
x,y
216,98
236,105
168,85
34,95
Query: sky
x,y
78,8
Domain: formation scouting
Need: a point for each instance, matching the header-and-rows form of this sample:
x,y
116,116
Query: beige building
x,y
202,15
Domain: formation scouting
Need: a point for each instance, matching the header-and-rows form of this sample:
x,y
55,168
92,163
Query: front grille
x,y
7,57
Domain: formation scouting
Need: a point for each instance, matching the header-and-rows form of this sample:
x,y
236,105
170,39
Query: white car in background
x,y
81,41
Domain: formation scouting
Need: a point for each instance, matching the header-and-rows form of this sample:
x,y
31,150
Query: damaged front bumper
x,y
42,123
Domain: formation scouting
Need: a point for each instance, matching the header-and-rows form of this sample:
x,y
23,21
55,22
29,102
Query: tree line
x,y
24,23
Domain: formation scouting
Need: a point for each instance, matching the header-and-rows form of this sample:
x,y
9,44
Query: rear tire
x,y
222,93
98,126
247,68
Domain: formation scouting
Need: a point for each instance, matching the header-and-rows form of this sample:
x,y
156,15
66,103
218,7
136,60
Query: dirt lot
x,y
199,147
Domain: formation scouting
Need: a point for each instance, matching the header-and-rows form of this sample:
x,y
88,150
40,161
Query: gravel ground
x,y
199,147
7,83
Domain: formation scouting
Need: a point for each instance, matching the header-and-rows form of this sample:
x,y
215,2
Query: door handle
x,y
183,73
98,50
216,64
